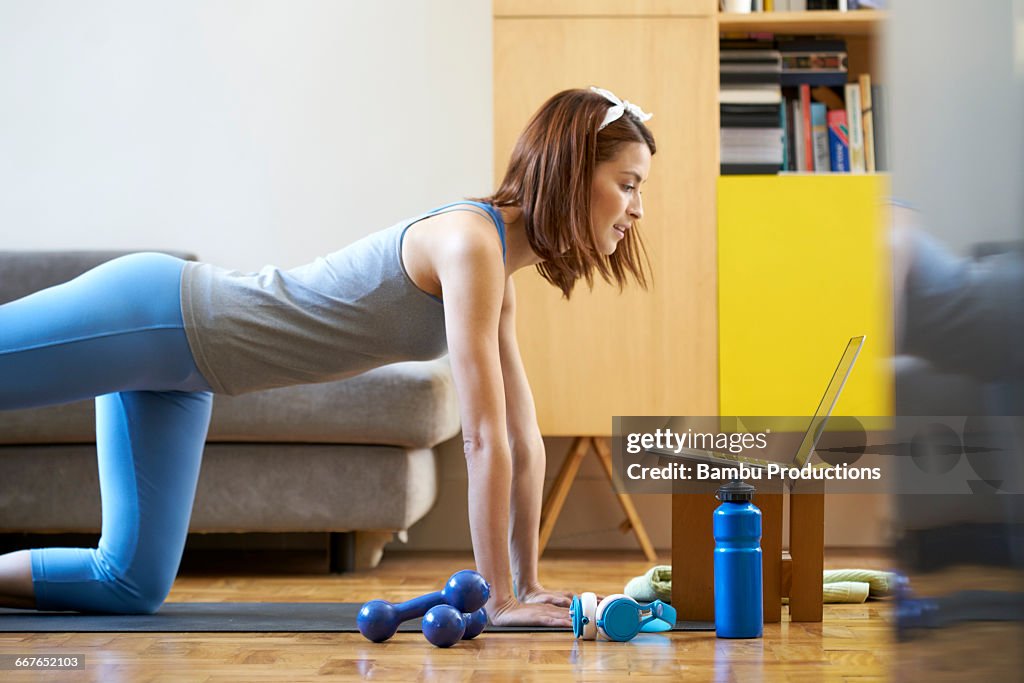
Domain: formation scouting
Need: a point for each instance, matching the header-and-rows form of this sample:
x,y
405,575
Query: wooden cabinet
x,y
607,353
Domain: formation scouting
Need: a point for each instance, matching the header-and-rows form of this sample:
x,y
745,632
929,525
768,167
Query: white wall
x,y
249,132
955,72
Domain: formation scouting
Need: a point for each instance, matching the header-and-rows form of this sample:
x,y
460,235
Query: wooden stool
x,y
797,574
563,482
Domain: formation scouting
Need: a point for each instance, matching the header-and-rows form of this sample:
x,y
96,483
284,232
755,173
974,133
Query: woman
x,y
153,337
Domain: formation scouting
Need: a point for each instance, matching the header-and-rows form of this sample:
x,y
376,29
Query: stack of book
x,y
750,101
821,64
815,61
789,105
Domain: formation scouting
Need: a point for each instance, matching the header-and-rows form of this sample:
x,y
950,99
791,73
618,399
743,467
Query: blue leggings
x,y
116,333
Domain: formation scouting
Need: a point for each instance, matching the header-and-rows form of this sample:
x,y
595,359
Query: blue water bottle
x,y
739,609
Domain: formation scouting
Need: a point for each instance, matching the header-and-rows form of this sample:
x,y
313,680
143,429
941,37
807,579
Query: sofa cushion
x,y
411,405
242,488
405,404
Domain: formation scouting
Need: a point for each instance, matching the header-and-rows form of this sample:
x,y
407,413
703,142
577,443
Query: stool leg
x,y
693,556
807,546
560,489
770,505
626,501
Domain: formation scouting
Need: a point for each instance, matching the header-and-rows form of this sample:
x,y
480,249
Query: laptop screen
x,y
828,402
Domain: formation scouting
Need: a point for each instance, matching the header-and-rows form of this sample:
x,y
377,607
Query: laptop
x,y
811,436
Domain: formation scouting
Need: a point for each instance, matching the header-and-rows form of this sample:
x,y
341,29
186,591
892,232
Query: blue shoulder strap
x,y
495,215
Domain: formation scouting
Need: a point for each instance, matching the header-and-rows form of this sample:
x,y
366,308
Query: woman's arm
x,y
469,267
528,461
526,445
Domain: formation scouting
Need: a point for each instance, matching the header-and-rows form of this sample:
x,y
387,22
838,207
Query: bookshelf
x,y
856,23
862,30
805,254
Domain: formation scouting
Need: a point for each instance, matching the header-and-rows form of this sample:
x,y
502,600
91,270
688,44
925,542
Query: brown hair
x,y
549,177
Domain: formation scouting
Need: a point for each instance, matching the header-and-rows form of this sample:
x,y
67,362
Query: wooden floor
x,y
853,643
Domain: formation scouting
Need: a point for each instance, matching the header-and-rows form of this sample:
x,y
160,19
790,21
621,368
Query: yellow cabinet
x,y
803,265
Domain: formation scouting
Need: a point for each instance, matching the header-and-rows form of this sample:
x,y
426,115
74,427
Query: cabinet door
x,y
636,353
803,266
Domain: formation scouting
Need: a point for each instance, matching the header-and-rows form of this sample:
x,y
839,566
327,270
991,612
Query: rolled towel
x,y
881,583
655,584
839,585
845,591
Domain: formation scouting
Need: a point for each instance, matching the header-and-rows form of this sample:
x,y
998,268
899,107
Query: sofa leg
x,y
370,547
357,550
342,551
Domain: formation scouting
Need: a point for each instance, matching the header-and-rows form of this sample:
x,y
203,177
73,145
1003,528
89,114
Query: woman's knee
x,y
138,589
91,580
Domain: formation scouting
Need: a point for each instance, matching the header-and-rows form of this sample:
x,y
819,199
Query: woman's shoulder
x,y
465,230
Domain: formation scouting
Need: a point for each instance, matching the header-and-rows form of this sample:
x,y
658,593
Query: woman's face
x,y
615,200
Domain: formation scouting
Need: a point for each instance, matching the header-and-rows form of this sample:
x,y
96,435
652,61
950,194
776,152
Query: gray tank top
x,y
341,315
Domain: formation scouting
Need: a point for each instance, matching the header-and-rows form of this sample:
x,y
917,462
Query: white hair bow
x,y
619,107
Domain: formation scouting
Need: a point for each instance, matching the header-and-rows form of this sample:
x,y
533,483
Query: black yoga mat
x,y
229,617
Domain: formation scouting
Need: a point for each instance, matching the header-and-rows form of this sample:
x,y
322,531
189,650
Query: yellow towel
x,y
882,583
838,585
845,591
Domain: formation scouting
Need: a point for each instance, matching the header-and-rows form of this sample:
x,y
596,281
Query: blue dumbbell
x,y
466,591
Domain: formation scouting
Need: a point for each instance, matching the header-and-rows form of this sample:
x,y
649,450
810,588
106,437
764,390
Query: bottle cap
x,y
736,492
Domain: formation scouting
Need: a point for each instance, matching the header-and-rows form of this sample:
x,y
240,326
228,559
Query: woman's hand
x,y
538,595
515,613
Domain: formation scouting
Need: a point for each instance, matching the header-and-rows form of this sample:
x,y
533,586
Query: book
x,y
799,156
749,108
817,61
819,137
787,132
753,119
806,132
867,120
758,54
789,137
814,61
855,127
739,76
815,78
754,93
752,145
756,65
838,140
880,123
751,150
748,169
810,44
